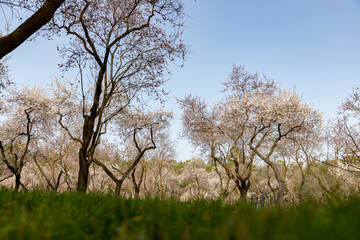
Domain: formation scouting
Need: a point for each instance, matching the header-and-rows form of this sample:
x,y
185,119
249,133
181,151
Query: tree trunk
x,y
281,192
137,191
17,182
83,172
281,183
243,188
245,185
84,164
118,188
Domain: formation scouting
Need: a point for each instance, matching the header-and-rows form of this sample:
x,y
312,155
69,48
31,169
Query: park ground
x,y
48,215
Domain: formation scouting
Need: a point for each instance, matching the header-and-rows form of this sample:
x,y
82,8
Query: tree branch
x,y
41,17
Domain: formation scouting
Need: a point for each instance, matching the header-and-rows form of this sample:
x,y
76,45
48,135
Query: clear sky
x,y
313,45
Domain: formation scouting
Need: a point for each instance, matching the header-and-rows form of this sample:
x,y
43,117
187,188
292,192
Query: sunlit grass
x,y
47,215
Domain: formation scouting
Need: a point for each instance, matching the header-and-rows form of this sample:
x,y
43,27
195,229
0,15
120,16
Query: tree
x,y
42,15
225,131
349,128
126,46
53,159
282,116
26,113
143,130
255,117
158,167
222,135
194,180
299,157
4,76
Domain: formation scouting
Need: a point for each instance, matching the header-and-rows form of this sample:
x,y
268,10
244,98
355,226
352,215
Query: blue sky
x,y
313,45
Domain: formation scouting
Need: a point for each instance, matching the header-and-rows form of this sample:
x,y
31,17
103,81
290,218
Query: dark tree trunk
x,y
137,185
118,188
83,172
84,163
137,191
245,185
17,182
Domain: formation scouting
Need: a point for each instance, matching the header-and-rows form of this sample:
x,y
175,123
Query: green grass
x,y
47,215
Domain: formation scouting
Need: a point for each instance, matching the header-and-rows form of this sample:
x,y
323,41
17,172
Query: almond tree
x,y
343,137
255,117
193,179
336,138
53,159
123,48
275,115
143,130
27,112
306,155
225,131
347,128
282,116
223,138
158,167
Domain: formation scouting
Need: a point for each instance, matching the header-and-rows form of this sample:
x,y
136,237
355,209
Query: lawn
x,y
48,215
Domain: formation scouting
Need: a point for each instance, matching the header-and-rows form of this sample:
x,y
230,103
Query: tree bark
x,y
83,177
137,191
41,17
245,185
281,191
118,188
280,180
17,182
